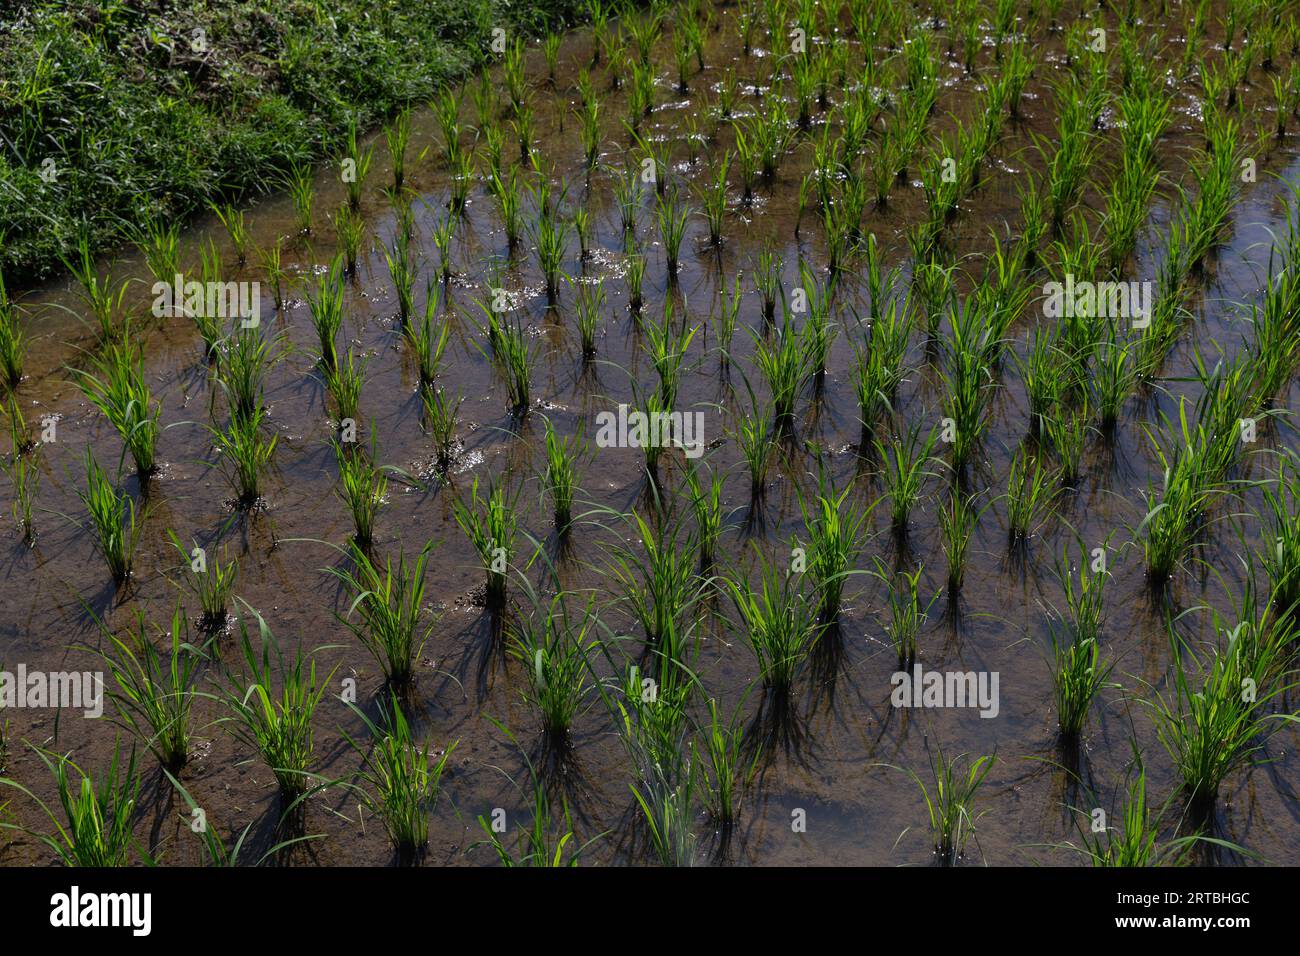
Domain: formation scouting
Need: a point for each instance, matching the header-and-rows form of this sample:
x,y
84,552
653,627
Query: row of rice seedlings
x,y
245,454
386,610
212,582
403,778
1067,166
489,522
363,487
277,725
122,395
96,825
114,518
155,690
1281,562
1079,669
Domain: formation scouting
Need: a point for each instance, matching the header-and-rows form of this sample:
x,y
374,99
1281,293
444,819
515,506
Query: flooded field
x,y
911,440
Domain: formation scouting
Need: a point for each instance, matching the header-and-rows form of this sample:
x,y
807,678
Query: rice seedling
x,y
242,371
440,411
537,844
706,506
13,341
635,275
96,825
246,455
427,345
275,273
156,689
555,654
1281,562
513,73
302,194
1067,434
24,473
114,520
907,615
325,303
658,584
968,382
212,582
957,521
767,280
724,746
344,383
120,392
560,477
581,222
403,778
590,301
550,235
837,533
102,297
784,365
525,127
1079,671
159,242
672,230
386,610
904,472
356,164
363,487
1113,380
779,622
728,312
1029,495
1205,720
278,726
350,229
236,228
515,356
489,522
754,435
397,134
950,801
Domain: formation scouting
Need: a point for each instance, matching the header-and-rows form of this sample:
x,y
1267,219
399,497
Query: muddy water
x,y
844,772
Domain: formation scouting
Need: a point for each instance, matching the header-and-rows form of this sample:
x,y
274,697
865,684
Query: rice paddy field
x,y
969,336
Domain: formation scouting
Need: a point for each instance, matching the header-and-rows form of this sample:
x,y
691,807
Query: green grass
x,y
386,611
115,520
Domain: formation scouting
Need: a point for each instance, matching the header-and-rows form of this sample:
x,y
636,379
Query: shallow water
x,y
844,772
